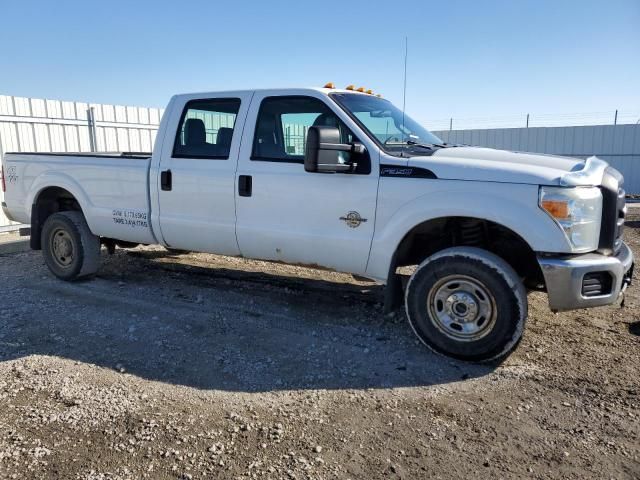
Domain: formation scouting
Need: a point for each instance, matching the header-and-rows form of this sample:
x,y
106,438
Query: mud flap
x,y
393,293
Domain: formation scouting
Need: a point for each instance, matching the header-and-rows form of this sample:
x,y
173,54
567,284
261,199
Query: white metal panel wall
x,y
617,144
43,125
39,125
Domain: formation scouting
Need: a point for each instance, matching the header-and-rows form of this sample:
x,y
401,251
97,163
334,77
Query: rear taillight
x,y
4,185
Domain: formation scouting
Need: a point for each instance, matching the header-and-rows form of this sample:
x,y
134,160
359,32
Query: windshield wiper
x,y
430,146
408,142
413,143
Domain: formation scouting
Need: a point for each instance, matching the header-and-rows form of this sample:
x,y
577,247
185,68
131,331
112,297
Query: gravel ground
x,y
197,366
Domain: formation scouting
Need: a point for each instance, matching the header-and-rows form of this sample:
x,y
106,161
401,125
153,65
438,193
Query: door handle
x,y
166,180
245,185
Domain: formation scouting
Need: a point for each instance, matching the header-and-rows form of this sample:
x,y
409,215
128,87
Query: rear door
x,y
288,214
197,172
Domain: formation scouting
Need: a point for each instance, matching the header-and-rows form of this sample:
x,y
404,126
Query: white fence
x,y
41,125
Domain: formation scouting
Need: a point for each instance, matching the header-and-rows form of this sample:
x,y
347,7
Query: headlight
x,y
578,211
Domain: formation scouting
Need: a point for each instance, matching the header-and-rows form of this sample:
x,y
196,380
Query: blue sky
x,y
466,58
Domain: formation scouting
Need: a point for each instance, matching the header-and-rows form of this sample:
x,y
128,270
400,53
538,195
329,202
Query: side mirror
x,y
325,154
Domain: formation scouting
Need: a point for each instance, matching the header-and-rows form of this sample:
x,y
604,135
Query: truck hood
x,y
490,165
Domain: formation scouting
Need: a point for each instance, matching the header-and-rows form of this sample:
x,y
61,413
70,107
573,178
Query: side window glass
x,y
283,124
206,128
295,127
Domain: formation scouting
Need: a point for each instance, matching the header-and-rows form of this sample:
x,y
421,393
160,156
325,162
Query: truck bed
x,y
112,189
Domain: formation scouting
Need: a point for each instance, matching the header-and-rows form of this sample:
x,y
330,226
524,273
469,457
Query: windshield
x,y
383,120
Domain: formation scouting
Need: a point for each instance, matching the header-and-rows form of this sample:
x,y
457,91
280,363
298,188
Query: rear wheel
x,y
69,248
467,303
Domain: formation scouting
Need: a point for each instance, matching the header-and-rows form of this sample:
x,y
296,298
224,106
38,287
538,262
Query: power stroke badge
x,y
353,219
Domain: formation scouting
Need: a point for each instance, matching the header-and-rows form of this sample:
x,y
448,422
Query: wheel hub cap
x,y
462,308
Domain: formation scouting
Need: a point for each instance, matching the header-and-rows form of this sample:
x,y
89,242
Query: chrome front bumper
x,y
564,275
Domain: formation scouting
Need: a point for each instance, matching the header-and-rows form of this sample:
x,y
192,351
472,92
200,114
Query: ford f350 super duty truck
x,y
342,179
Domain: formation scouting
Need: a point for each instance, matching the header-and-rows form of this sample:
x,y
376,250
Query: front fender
x,y
514,206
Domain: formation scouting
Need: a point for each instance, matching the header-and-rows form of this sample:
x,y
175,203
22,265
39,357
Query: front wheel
x,y
467,303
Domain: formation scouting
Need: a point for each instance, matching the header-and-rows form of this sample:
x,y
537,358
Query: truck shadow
x,y
218,328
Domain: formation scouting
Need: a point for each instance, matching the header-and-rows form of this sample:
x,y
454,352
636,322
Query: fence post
x,y
1,155
615,119
91,123
527,120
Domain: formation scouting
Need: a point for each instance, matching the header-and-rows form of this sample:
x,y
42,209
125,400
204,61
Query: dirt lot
x,y
196,366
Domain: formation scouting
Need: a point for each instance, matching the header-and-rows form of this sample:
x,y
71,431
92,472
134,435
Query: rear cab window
x,y
206,128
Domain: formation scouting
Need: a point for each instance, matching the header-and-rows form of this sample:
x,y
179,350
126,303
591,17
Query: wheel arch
x,y
46,201
437,234
452,231
512,206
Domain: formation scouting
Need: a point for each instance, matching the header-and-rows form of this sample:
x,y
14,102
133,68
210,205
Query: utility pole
x,y
404,87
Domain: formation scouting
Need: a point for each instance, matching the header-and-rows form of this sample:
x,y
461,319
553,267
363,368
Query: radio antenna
x,y
404,90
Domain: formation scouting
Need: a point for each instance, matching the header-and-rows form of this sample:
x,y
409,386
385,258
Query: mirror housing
x,y
325,154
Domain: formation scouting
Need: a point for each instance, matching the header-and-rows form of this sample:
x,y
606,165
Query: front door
x,y
198,166
293,216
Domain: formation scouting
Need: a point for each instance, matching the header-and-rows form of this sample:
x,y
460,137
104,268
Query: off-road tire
x,y
82,245
500,291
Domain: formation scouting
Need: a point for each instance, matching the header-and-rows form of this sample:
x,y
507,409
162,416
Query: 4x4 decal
x,y
11,175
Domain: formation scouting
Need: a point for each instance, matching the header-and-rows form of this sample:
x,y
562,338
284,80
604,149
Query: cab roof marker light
x,y
379,96
360,89
350,87
329,85
370,92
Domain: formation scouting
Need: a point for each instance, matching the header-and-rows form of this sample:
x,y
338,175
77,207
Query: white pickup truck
x,y
342,179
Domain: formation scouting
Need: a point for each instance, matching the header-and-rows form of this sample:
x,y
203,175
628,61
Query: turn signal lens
x,y
329,85
578,211
556,208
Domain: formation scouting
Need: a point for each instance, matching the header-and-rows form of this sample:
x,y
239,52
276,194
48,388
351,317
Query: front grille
x,y
613,212
596,283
